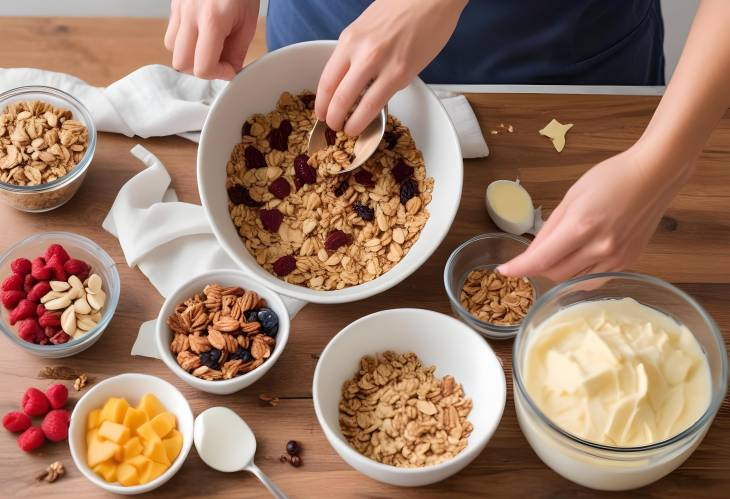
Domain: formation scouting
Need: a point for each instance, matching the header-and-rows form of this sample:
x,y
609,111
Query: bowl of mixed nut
x,y
290,219
408,396
221,331
59,293
491,303
47,142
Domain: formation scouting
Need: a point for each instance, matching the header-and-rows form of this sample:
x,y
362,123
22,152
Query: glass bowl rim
x,y
506,331
113,293
82,166
695,427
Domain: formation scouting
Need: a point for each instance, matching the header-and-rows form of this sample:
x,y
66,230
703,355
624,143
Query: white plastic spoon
x,y
226,443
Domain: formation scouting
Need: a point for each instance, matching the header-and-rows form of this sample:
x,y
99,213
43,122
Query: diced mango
x,y
147,432
150,405
132,448
140,462
93,420
127,475
155,451
114,410
133,418
100,451
115,432
151,472
107,470
92,434
172,445
163,423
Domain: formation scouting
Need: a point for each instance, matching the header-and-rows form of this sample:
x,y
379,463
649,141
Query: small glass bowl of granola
x,y
490,303
47,142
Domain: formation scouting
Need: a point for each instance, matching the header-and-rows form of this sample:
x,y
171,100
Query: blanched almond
x,y
94,283
81,306
96,300
59,286
68,321
58,303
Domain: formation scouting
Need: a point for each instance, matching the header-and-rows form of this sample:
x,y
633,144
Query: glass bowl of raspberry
x,y
46,275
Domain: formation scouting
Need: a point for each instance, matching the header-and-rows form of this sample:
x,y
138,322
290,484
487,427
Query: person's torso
x,y
609,42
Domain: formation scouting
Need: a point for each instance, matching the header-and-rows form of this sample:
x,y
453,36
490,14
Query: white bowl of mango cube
x,y
131,433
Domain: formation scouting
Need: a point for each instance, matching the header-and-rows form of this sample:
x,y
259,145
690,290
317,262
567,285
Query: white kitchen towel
x,y
156,101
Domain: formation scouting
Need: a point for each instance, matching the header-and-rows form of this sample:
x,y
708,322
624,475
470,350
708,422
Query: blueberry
x,y
252,315
242,354
210,358
292,447
269,321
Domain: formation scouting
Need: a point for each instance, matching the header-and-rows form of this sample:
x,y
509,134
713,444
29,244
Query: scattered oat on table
x,y
494,298
315,229
395,411
59,372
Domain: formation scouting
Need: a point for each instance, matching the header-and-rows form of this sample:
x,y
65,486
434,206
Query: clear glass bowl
x,y
600,466
51,195
78,247
485,251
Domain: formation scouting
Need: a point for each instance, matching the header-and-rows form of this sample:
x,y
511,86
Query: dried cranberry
x,y
330,136
401,171
391,139
280,188
307,100
254,157
246,128
285,265
364,212
408,189
271,219
364,177
342,188
335,239
277,140
238,194
305,173
286,128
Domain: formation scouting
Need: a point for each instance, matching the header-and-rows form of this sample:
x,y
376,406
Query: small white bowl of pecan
x,y
221,331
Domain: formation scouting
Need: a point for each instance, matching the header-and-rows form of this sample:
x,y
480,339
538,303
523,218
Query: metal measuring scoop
x,y
226,443
365,145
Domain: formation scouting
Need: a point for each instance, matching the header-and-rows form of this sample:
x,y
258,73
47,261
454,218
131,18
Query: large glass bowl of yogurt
x,y
617,378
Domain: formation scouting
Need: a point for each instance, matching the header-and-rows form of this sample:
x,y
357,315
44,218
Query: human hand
x,y
382,51
209,38
605,219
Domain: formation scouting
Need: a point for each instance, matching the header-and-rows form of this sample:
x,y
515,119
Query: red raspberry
x,y
77,267
14,282
57,269
40,309
58,338
39,291
24,310
58,250
57,395
31,439
55,425
21,266
280,188
29,283
16,421
35,402
285,265
50,331
271,219
39,269
30,331
50,319
12,298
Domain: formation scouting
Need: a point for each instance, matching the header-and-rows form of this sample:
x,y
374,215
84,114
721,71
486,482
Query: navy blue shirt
x,y
591,42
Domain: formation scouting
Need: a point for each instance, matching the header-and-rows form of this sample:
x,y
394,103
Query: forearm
x,y
698,94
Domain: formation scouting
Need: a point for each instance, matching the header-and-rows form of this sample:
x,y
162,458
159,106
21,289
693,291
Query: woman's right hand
x,y
210,38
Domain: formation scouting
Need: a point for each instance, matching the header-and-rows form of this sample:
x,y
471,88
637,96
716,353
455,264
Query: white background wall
x,y
677,15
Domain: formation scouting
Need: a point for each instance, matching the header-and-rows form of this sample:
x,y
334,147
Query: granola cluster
x,y
395,411
494,298
223,332
39,143
310,227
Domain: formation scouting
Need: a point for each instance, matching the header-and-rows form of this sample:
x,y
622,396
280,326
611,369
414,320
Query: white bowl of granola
x,y
401,434
317,241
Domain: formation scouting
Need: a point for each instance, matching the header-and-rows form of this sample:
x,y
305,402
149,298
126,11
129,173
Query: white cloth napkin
x,y
156,101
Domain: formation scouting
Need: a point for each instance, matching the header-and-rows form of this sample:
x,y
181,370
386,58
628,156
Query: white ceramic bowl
x,y
132,387
438,340
295,68
163,335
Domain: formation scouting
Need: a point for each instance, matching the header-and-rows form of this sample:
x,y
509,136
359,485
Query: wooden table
x,y
691,248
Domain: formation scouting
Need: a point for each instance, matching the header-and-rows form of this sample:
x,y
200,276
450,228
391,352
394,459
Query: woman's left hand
x,y
606,218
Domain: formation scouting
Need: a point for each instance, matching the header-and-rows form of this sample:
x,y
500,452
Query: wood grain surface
x,y
691,248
